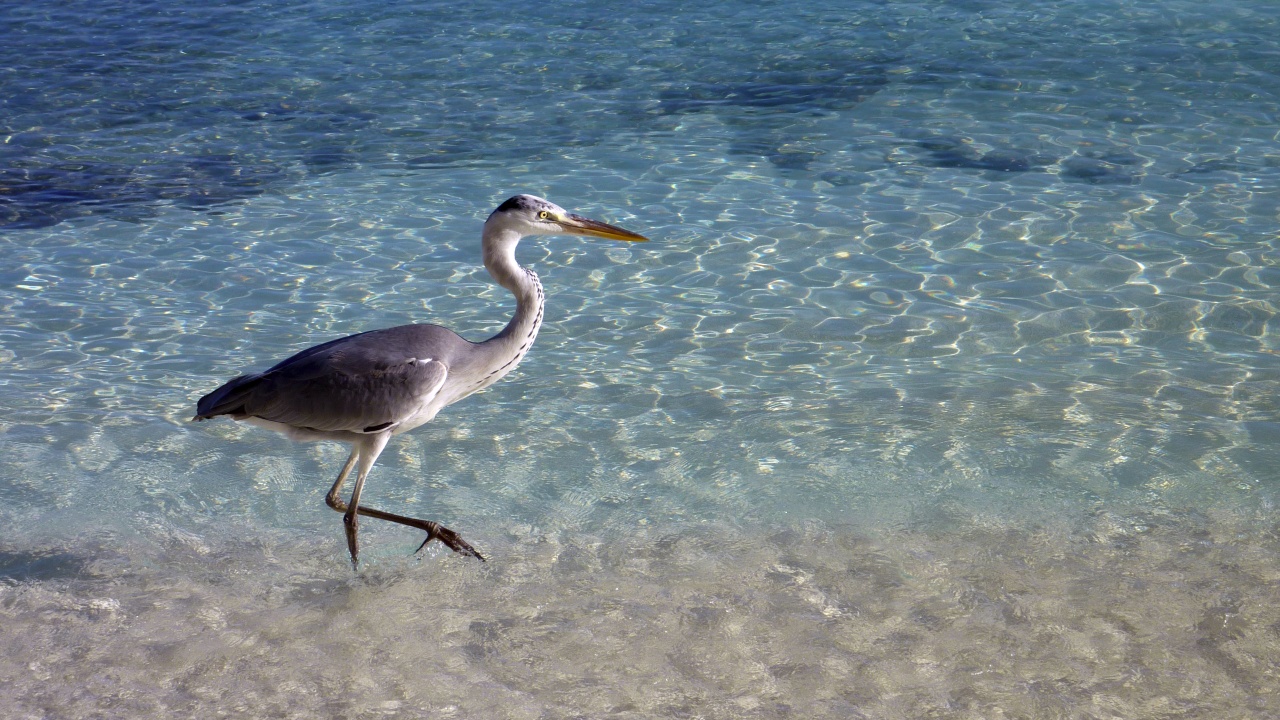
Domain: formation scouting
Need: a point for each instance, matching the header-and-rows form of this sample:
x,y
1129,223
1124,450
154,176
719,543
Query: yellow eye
x,y
544,215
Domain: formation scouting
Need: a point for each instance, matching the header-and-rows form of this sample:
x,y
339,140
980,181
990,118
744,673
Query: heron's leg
x,y
333,499
434,530
369,448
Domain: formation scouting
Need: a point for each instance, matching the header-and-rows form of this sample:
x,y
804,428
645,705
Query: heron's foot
x,y
352,525
436,531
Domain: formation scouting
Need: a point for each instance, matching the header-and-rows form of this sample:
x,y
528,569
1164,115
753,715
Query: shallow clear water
x,y
947,387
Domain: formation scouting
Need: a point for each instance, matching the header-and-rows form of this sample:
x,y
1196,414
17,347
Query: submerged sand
x,y
1159,616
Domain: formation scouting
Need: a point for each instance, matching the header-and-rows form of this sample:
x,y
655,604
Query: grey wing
x,y
358,384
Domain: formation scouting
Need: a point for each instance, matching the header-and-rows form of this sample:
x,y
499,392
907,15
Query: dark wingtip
x,y
227,399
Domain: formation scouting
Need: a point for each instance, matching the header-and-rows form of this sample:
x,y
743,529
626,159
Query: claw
x,y
450,538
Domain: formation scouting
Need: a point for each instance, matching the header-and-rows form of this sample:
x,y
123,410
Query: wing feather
x,y
362,383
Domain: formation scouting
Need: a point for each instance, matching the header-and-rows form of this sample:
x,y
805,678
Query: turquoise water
x,y
947,387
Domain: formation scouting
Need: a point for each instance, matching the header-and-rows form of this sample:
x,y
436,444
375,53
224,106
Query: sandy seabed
x,y
1171,616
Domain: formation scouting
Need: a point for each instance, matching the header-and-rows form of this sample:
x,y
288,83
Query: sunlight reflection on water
x,y
948,384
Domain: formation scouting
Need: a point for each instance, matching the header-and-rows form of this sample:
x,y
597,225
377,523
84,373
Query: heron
x,y
364,389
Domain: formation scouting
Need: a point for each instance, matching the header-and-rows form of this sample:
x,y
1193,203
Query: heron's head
x,y
530,215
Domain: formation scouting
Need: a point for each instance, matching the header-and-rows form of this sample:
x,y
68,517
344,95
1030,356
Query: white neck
x,y
500,261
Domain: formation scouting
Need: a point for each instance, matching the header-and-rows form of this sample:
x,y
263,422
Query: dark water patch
x,y
996,160
502,148
206,181
950,151
777,92
328,159
1123,117
1216,169
1097,171
40,565
35,194
782,152
842,178
452,154
1216,166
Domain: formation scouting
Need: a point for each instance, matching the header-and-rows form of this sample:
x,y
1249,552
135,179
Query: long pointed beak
x,y
578,225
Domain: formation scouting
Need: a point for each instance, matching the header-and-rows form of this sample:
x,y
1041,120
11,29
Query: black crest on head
x,y
523,203
515,203
519,202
